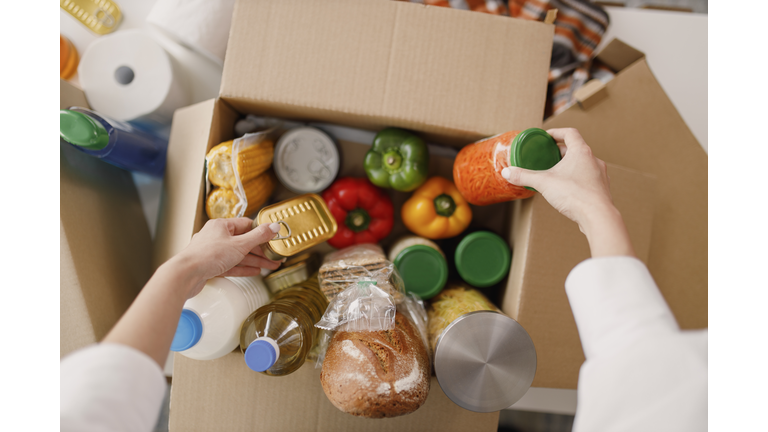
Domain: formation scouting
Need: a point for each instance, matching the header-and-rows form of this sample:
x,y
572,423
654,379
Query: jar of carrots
x,y
477,168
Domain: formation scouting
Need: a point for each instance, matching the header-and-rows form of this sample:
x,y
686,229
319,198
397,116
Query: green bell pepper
x,y
398,159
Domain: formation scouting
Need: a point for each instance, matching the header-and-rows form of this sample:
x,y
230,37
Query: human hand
x,y
579,188
227,247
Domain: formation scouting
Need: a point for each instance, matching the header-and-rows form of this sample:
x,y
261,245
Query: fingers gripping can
x,y
305,221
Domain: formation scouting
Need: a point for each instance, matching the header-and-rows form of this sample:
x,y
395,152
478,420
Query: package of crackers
x,y
346,267
363,289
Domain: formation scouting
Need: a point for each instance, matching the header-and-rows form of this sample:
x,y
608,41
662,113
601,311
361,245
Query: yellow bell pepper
x,y
436,210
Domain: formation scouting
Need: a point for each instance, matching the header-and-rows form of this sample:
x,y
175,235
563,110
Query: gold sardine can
x,y
305,222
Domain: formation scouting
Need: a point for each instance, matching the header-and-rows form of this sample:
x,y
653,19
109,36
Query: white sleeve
x,y
110,387
641,372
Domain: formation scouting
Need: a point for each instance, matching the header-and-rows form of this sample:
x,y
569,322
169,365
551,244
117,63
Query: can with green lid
x,y
421,264
482,259
477,168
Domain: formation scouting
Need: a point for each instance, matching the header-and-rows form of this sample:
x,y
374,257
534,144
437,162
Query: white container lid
x,y
306,160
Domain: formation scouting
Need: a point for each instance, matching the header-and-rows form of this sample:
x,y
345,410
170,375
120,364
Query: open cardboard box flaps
x,y
558,246
378,64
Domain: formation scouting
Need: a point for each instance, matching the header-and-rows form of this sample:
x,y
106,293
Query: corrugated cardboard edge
x,y
638,127
190,131
546,247
305,83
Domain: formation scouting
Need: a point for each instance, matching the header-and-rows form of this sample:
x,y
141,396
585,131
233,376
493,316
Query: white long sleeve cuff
x,y
110,387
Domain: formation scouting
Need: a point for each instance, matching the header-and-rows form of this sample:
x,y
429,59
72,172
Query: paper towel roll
x,y
129,77
202,25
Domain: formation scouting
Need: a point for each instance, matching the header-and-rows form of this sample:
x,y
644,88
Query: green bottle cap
x,y
81,130
482,259
423,269
534,149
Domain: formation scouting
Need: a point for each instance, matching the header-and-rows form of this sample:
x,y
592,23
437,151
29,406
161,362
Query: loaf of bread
x,y
377,374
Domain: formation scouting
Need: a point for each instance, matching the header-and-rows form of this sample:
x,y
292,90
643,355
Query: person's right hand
x,y
228,247
578,186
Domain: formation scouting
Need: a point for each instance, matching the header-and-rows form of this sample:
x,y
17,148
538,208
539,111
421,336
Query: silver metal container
x,y
485,361
306,160
295,270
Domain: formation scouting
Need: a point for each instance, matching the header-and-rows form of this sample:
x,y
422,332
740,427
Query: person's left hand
x,y
228,247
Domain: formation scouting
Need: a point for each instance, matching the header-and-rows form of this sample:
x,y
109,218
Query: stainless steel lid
x,y
485,361
306,160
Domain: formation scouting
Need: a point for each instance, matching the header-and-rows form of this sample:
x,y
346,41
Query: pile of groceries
x,y
378,321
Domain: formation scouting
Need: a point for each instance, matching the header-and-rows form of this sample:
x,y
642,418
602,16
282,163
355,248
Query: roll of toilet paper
x,y
129,77
201,25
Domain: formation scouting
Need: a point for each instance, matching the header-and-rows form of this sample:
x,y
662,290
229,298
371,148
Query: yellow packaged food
x,y
228,203
253,156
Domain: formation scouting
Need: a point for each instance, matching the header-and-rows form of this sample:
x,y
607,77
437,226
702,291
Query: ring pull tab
x,y
285,224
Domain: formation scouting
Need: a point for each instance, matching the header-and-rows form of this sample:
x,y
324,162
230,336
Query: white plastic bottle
x,y
209,326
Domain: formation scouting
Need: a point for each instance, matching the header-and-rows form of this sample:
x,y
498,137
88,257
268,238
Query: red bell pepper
x,y
363,212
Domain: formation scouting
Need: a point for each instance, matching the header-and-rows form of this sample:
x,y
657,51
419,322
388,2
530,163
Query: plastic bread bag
x,y
361,307
317,353
344,268
413,307
239,179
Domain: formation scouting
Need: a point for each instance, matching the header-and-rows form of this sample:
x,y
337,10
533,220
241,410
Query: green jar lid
x,y
423,269
482,259
534,149
81,130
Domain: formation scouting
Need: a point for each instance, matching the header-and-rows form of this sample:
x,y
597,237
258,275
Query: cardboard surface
x,y
224,395
546,247
637,126
105,244
374,64
209,395
454,74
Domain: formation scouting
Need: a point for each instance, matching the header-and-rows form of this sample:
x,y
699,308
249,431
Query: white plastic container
x,y
209,326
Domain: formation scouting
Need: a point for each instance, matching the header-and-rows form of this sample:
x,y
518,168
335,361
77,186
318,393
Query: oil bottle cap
x,y
482,259
534,149
188,331
261,354
81,130
423,269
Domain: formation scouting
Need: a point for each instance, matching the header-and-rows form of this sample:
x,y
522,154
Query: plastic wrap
x,y
413,308
346,267
239,170
363,289
453,302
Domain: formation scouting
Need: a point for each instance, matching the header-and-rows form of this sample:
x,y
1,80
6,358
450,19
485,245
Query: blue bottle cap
x,y
260,355
188,332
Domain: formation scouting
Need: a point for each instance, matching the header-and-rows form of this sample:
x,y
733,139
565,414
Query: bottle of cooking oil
x,y
276,338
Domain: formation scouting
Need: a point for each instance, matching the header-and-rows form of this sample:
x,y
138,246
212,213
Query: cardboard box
x,y
105,242
635,125
224,394
323,72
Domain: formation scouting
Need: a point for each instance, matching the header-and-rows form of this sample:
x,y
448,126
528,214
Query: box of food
x,y
450,76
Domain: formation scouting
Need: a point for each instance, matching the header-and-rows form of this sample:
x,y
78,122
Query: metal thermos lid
x,y
485,361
